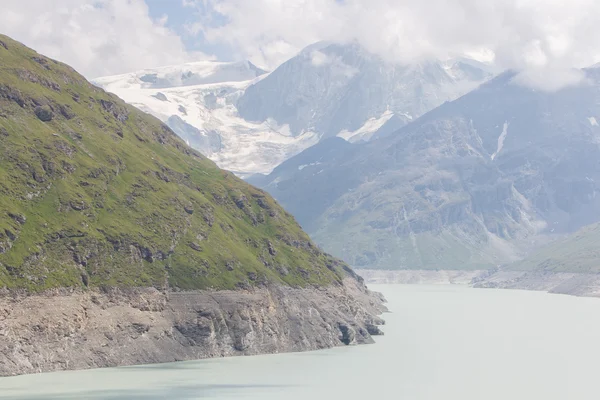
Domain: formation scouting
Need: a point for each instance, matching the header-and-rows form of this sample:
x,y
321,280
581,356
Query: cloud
x,y
528,35
96,37
318,58
338,66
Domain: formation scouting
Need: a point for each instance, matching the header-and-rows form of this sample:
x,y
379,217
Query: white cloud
x,y
96,37
534,35
318,58
338,66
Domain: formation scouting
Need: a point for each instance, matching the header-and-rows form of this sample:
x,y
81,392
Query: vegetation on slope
x,y
579,252
94,192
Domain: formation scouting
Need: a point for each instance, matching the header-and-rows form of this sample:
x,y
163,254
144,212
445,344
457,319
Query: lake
x,y
441,342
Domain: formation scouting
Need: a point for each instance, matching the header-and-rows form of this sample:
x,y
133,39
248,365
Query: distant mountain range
x,y
346,91
475,183
249,121
387,166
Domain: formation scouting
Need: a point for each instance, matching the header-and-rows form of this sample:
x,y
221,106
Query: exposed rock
x,y
12,94
44,113
42,61
18,217
66,111
2,44
347,334
161,96
189,209
195,246
79,205
29,76
91,329
272,250
120,113
374,330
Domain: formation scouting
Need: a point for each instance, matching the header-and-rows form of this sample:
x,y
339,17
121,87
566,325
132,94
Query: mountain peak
x,y
330,87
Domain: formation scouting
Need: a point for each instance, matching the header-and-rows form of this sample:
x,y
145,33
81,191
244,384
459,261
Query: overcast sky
x,y
102,37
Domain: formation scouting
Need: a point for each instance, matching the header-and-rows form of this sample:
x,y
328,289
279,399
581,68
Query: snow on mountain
x,y
191,74
475,183
366,131
197,101
343,90
248,121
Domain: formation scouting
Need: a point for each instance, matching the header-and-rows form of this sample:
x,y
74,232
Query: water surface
x,y
441,342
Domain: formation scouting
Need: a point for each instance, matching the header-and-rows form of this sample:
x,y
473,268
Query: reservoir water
x,y
441,342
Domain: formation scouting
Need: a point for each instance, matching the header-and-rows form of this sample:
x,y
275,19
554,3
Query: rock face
x,y
77,330
473,184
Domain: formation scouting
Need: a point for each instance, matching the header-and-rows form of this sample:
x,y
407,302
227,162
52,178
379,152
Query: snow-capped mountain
x,y
343,90
477,182
197,101
248,121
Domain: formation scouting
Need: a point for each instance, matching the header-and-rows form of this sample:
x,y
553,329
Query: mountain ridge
x,y
472,184
83,175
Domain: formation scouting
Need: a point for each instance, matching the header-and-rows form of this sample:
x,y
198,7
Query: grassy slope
x,y
374,237
579,252
104,194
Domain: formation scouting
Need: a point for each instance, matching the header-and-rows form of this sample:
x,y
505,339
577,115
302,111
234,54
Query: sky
x,y
543,38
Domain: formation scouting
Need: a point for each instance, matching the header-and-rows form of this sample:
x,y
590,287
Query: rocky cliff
x,y
67,329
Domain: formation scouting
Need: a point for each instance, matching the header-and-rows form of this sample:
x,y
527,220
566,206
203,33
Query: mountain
x,y
576,253
343,90
119,244
475,183
249,121
569,265
191,74
198,101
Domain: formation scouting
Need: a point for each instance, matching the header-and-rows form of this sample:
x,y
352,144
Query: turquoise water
x,y
441,342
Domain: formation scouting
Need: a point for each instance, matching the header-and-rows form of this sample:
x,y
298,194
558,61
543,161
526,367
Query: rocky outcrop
x,y
77,330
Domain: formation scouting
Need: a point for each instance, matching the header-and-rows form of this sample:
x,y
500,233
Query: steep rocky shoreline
x,y
93,329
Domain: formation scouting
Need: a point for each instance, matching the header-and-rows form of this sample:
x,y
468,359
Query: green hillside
x,y
94,192
579,252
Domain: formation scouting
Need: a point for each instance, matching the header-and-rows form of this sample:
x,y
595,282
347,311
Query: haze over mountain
x,y
475,183
249,122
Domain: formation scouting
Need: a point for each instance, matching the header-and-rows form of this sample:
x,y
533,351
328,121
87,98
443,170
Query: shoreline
x,y
575,284
92,329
